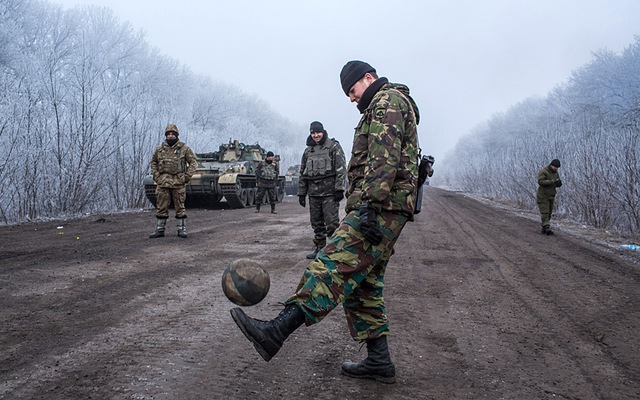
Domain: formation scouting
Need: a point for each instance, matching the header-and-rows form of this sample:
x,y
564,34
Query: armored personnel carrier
x,y
228,173
291,179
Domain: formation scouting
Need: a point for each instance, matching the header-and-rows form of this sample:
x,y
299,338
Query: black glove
x,y
368,224
338,195
302,200
558,182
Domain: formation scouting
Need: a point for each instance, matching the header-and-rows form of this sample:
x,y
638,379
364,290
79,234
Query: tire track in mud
x,y
537,298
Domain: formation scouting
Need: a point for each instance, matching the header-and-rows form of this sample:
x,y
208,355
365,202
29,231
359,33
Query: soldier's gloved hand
x,y
302,200
338,195
368,224
558,182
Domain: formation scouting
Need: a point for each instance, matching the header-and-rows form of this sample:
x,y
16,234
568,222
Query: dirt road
x,y
481,307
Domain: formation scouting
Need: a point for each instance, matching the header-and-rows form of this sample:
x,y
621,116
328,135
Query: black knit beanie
x,y
316,127
352,72
269,153
556,163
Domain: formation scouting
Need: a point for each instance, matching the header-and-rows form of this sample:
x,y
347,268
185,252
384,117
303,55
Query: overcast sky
x,y
463,60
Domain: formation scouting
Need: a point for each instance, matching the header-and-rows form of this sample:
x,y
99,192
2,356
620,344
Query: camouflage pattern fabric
x,y
267,175
271,194
383,173
546,194
163,200
383,170
322,169
349,270
323,214
172,167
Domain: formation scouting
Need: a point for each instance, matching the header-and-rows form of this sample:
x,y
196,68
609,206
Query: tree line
x,y
591,123
84,101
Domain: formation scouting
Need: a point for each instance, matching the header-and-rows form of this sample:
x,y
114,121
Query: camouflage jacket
x,y
267,174
547,181
323,168
173,166
383,170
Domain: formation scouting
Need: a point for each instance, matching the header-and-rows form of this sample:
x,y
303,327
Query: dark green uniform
x,y
548,181
267,177
382,173
322,175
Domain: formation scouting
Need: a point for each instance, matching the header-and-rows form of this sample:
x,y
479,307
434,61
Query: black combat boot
x,y
159,232
273,208
182,228
376,366
258,207
268,336
319,246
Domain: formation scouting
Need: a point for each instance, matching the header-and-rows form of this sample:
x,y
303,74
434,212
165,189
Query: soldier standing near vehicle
x,y
548,181
267,176
322,178
173,164
381,198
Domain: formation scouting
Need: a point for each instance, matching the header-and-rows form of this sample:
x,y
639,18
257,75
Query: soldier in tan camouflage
x,y
382,174
173,164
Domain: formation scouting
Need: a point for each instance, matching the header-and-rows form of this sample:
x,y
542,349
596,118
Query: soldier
x,y
322,178
548,181
267,176
381,197
173,164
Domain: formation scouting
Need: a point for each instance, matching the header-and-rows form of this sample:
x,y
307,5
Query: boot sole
x,y
377,378
235,314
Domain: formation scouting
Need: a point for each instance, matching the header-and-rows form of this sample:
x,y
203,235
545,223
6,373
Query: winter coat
x,y
548,181
383,170
322,169
173,166
267,174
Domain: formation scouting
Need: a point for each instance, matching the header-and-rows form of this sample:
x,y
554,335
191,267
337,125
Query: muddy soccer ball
x,y
245,282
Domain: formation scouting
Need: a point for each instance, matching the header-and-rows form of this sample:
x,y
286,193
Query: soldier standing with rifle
x,y
322,178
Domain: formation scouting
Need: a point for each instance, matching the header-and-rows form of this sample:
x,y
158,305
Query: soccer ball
x,y
245,282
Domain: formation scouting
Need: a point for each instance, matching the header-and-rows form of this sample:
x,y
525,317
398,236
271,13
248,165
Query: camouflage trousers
x,y
164,196
546,208
323,214
350,270
271,193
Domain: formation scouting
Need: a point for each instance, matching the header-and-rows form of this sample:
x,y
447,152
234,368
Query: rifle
x,y
424,170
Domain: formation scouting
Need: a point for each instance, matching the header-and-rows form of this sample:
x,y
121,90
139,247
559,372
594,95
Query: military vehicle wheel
x,y
251,198
279,193
244,195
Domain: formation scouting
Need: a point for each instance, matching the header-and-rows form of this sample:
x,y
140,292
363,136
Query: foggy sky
x,y
463,60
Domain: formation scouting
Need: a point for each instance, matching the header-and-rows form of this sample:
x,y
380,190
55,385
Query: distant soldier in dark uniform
x,y
548,181
381,198
322,178
173,164
267,176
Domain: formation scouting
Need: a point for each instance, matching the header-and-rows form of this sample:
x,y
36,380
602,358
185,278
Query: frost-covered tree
x,y
84,102
591,122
